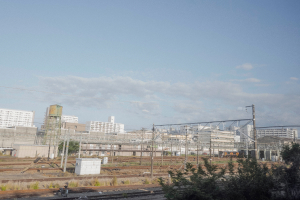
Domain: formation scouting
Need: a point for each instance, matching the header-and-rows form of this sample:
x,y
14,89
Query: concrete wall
x,y
17,135
23,150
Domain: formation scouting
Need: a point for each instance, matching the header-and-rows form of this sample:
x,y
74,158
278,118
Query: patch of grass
x,y
35,186
16,187
3,187
56,186
73,184
154,181
114,181
147,181
127,182
125,195
96,183
51,186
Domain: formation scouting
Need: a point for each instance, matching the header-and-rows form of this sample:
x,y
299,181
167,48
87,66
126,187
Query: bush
x,y
35,186
96,183
73,184
127,182
146,181
200,185
114,181
251,180
51,186
3,188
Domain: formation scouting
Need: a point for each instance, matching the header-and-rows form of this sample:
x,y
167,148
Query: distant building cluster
x,y
21,118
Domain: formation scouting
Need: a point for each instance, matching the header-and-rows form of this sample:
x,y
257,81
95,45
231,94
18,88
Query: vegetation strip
x,y
82,178
39,192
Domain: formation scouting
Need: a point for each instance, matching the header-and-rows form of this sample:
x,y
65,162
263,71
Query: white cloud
x,y
245,66
184,101
252,80
248,80
294,78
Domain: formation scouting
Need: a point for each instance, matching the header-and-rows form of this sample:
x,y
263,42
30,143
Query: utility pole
x,y
67,150
142,145
80,145
49,145
210,150
185,159
198,148
152,152
63,152
171,149
254,130
162,153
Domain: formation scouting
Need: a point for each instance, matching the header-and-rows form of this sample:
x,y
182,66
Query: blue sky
x,y
152,61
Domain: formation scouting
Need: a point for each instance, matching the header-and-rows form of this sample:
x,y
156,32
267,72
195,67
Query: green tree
x,y
251,181
288,175
73,147
290,153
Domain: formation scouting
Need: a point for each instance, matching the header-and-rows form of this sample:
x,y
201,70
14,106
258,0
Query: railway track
x,y
148,194
102,168
84,178
75,193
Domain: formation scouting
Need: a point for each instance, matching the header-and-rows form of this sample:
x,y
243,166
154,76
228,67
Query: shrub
x,y
114,181
146,181
35,186
96,183
251,180
51,186
73,184
3,188
127,182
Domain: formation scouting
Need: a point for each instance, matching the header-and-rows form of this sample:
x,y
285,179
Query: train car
x,y
226,154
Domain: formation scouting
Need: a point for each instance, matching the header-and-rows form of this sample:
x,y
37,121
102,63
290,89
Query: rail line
x,y
43,192
84,178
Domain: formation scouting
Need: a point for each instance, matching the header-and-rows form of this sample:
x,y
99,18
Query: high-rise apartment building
x,y
105,127
9,117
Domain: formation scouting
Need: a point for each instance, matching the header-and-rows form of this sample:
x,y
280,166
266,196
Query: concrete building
x,y
221,140
73,126
247,132
9,118
69,118
279,132
105,127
